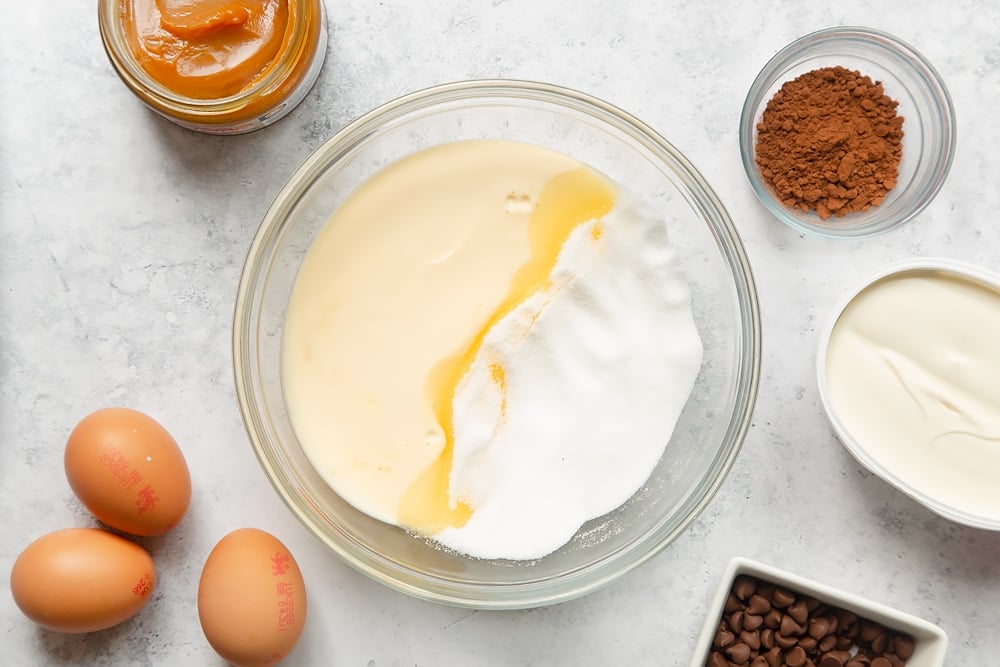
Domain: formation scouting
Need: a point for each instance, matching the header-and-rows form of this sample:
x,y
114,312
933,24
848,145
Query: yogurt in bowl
x,y
908,375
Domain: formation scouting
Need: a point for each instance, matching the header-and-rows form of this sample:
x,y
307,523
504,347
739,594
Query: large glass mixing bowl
x,y
711,428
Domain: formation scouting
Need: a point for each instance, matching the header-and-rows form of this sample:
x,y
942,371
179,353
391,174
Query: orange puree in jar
x,y
216,66
206,49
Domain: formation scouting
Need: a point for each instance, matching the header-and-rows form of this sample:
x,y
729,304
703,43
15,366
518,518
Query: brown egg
x,y
82,580
251,599
127,470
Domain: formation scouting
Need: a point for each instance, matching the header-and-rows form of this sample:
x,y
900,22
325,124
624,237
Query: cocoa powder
x,y
830,141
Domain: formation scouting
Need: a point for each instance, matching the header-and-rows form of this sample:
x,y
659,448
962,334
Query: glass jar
x,y
282,85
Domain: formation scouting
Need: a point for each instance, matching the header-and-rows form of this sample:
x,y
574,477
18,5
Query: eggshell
x,y
251,599
128,471
82,580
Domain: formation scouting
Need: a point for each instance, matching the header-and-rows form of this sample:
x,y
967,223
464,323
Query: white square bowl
x,y
930,641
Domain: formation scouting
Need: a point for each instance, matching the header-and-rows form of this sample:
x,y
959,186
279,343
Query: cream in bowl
x,y
907,373
474,382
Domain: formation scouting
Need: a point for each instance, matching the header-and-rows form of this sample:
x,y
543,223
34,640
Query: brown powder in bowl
x,y
830,141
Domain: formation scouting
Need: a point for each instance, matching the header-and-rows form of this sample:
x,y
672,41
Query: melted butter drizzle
x,y
567,201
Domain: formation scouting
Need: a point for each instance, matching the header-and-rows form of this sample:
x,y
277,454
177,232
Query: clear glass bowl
x,y
711,428
924,103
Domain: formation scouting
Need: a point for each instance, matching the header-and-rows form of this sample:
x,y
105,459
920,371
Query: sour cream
x,y
909,376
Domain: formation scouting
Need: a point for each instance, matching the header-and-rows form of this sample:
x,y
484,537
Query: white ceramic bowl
x,y
881,464
930,641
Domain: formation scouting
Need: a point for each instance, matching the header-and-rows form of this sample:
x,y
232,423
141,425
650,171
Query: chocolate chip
x,y
819,628
799,612
716,659
723,638
773,657
738,653
767,638
808,643
732,603
789,627
759,605
830,660
744,587
827,643
869,631
759,661
796,657
751,621
881,662
736,621
845,618
842,656
904,647
751,639
782,598
773,619
785,642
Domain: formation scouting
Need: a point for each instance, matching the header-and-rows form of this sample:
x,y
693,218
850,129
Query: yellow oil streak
x,y
596,231
499,376
567,200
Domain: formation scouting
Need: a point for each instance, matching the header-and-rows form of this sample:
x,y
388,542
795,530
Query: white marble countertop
x,y
122,238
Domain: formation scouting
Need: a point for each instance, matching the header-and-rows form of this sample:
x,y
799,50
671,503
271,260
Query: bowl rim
x,y
962,269
700,196
768,76
933,638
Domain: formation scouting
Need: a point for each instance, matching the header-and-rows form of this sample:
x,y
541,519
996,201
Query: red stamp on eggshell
x,y
132,479
117,465
146,499
279,564
286,605
143,586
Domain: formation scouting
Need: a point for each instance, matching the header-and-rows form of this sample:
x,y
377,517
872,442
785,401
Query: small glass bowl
x,y
930,643
908,78
711,427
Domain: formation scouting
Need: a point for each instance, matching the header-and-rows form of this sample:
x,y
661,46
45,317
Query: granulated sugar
x,y
574,394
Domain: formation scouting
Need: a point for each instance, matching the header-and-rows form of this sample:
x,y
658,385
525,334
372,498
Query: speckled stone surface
x,y
122,238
